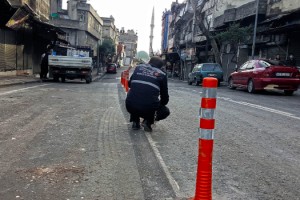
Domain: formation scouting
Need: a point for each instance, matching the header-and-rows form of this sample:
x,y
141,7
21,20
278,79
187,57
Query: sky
x,y
136,15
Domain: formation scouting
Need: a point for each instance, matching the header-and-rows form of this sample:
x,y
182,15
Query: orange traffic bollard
x,y
122,79
126,85
206,131
126,80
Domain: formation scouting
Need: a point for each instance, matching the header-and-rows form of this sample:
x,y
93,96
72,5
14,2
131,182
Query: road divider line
x,y
27,88
162,163
261,107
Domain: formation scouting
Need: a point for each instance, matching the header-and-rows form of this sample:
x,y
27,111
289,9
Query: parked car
x,y
255,75
203,70
111,68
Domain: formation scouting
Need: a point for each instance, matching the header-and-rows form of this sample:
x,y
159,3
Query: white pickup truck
x,y
70,67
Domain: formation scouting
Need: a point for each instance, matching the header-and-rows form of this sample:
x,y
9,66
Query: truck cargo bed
x,y
70,61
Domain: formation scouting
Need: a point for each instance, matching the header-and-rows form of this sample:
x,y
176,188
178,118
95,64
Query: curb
x,y
95,78
19,83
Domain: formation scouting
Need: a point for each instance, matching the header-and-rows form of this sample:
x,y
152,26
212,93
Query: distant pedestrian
x,y
44,65
277,57
148,94
291,60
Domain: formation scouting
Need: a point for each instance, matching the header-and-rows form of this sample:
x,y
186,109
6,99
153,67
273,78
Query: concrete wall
x,y
72,9
223,5
93,26
109,28
279,6
40,7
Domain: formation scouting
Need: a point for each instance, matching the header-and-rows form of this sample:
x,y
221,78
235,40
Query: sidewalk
x,y
6,81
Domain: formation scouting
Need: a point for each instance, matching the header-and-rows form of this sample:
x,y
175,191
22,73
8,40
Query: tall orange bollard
x,y
126,78
206,131
126,85
122,78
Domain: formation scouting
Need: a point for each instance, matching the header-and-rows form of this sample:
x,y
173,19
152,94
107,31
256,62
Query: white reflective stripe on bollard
x,y
206,113
207,134
209,93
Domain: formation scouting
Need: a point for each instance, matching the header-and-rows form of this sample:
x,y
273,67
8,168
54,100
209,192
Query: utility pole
x,y
254,31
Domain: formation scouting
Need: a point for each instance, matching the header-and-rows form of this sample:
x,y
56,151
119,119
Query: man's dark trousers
x,y
147,114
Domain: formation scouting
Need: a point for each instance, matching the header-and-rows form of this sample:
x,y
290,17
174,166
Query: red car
x,y
111,68
255,75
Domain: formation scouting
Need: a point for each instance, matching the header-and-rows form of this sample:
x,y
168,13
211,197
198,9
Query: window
x,y
263,64
244,66
211,67
68,37
197,68
251,65
81,17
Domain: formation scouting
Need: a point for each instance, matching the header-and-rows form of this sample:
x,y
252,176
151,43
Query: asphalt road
x,y
73,141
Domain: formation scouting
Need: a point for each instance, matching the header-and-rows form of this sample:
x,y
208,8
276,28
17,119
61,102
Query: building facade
x,y
25,33
277,30
110,31
166,19
129,40
82,24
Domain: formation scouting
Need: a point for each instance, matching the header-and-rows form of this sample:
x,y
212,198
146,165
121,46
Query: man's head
x,y
156,61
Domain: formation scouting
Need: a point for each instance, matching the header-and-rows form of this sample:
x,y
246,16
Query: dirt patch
x,y
53,174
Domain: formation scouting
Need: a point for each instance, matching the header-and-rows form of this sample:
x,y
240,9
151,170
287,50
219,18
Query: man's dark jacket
x,y
147,84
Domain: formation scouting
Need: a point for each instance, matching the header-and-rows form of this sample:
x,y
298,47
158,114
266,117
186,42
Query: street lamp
x,y
254,31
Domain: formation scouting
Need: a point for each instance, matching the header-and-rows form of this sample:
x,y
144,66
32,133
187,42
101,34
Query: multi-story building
x,y
129,40
166,20
276,33
24,35
40,7
279,31
82,24
110,30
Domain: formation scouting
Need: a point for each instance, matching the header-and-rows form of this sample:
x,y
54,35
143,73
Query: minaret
x,y
151,35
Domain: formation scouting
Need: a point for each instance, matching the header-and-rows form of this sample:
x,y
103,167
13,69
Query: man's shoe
x,y
136,126
147,126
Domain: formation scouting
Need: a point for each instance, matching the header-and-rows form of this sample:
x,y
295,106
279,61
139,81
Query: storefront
x,y
172,62
23,39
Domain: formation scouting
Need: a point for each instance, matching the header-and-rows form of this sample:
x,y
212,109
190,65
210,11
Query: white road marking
x,y
261,108
13,91
172,181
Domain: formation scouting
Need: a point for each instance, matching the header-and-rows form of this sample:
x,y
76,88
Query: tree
x,y
234,34
200,20
107,47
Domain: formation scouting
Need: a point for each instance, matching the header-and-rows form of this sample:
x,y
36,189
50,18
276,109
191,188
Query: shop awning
x,y
18,19
47,26
283,29
171,57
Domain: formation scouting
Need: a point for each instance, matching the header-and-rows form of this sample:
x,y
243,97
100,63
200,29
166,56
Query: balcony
x,y
219,21
67,23
229,15
249,9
